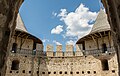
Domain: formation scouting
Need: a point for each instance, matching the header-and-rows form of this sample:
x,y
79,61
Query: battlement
x,y
59,51
69,52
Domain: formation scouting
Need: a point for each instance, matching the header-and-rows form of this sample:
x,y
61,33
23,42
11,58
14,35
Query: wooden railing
x,y
99,51
66,53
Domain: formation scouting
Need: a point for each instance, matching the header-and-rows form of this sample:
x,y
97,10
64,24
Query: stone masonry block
x,y
69,47
78,50
39,47
49,50
59,50
69,50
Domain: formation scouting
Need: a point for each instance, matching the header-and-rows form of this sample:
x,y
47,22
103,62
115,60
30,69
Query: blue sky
x,y
59,21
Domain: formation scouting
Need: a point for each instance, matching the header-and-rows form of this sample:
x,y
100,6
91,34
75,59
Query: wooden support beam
x,y
22,41
17,37
104,33
101,37
19,34
23,35
109,38
96,42
93,39
26,37
96,35
89,37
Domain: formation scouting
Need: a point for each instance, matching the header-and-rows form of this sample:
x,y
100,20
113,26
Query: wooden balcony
x,y
95,52
99,51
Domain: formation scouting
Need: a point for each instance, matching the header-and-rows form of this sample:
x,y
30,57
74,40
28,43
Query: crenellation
x,y
39,50
69,50
39,47
78,50
49,50
59,51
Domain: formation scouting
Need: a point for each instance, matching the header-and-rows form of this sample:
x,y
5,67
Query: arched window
x,y
15,65
14,47
104,47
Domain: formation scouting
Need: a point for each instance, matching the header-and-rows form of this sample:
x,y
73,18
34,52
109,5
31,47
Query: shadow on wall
x,y
42,66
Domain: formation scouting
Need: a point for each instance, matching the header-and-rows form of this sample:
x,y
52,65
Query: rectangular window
x,y
83,44
105,65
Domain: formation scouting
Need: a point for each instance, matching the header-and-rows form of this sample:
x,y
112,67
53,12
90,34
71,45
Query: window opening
x,y
71,72
15,65
49,72
104,48
65,72
54,72
60,72
23,71
14,47
105,65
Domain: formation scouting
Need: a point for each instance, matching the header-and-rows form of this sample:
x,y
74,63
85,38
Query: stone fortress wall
x,y
68,63
94,54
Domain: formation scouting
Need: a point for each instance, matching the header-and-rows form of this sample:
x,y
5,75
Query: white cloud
x,y
56,42
45,40
63,14
77,22
57,30
70,42
54,14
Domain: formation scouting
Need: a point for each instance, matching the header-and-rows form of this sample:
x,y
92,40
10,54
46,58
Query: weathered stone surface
x,y
8,14
49,50
79,66
69,50
113,12
59,50
78,50
2,19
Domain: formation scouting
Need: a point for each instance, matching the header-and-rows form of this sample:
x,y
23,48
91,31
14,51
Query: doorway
x,y
14,47
104,47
